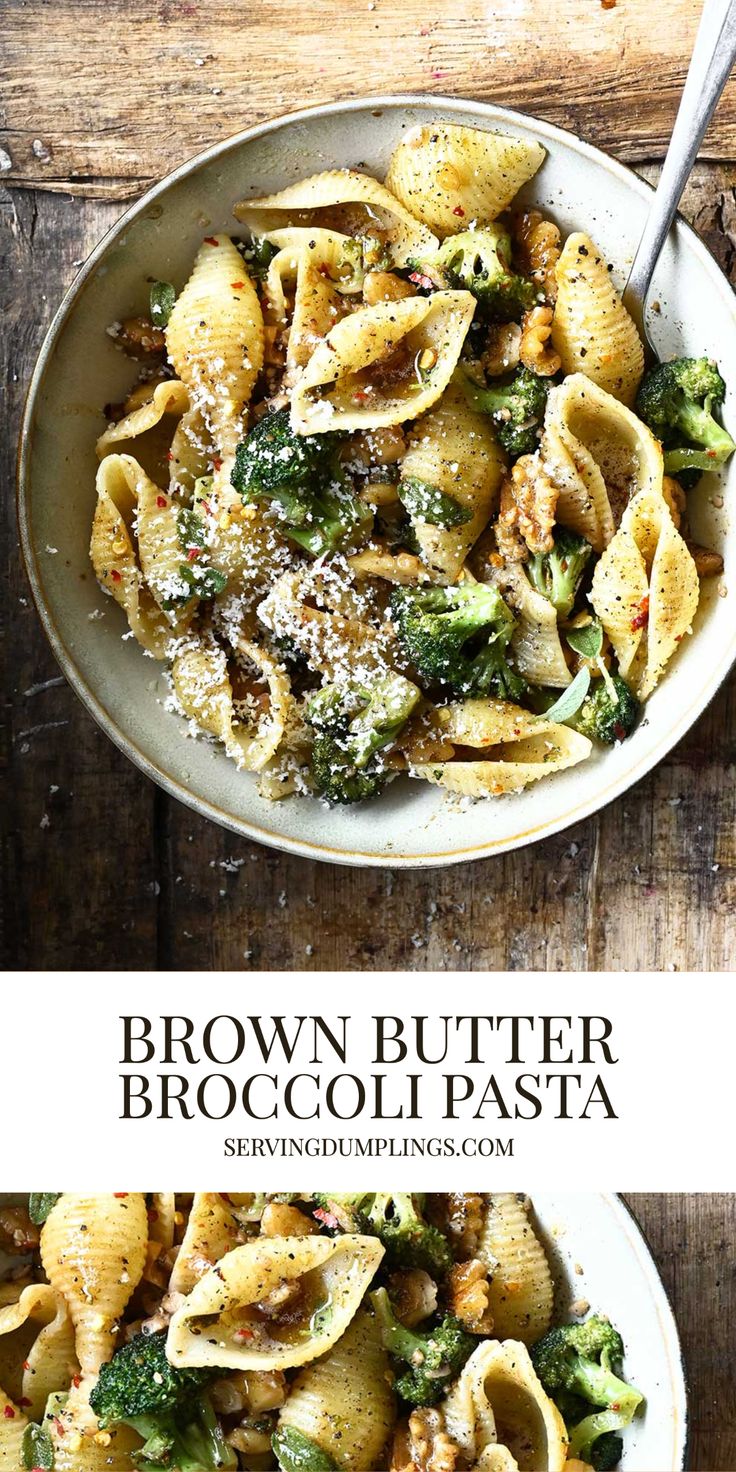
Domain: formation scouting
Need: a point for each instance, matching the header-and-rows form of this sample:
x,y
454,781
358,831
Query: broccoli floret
x,y
165,1405
557,574
677,400
516,405
352,724
577,1360
410,1242
434,1357
300,476
458,636
609,712
479,261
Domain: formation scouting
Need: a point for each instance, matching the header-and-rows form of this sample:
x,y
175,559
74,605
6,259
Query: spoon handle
x,y
713,56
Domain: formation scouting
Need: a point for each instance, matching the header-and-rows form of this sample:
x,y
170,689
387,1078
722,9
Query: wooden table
x,y
692,1238
102,869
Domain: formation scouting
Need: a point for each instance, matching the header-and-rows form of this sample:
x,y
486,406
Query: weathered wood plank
x,y
79,871
104,96
692,1238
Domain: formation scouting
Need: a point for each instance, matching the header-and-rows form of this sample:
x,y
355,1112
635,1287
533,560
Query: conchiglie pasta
x,y
450,176
645,591
536,643
148,428
274,1302
211,1232
202,679
135,550
214,339
382,364
329,635
37,1354
51,1362
78,1442
524,749
521,1293
599,455
93,1249
452,450
344,1403
592,331
323,196
499,1399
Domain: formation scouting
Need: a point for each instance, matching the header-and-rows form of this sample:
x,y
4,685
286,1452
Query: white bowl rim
x,y
245,828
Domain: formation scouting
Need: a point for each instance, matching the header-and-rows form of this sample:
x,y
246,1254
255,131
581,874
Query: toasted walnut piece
x,y
282,1300
534,349
709,564
501,353
18,1234
539,250
460,1216
139,338
279,1220
255,1441
413,1294
423,1445
249,1391
528,503
385,445
675,498
383,286
467,1288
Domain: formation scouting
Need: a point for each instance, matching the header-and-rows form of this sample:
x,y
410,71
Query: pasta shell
x,y
135,550
335,637
450,176
211,1232
645,591
344,1403
231,1317
37,1354
521,1293
202,684
149,429
454,450
321,197
93,1249
592,330
599,455
214,339
538,652
366,373
525,749
499,1399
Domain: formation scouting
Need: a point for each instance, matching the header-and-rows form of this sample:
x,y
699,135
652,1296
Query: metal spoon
x,y
713,56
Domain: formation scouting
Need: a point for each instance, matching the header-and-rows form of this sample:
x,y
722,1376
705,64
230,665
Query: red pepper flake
x,y
206,507
327,1218
162,501
193,554
458,210
24,1401
60,1429
361,397
217,462
9,1413
169,454
211,240
115,575
121,1195
241,1334
26,1364
76,1381
420,279
152,1215
237,285
641,619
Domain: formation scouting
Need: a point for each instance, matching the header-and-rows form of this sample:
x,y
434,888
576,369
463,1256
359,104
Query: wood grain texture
x,y
692,1240
103,98
102,870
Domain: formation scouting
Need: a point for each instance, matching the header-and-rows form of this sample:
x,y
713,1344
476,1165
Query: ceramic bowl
x,y
599,1255
79,370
